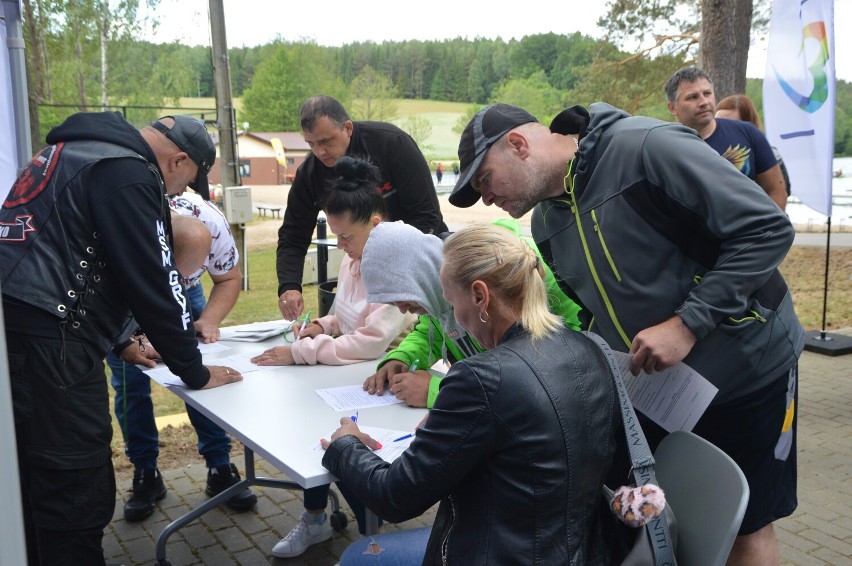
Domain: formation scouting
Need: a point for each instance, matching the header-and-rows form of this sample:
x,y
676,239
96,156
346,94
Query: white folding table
x,y
276,412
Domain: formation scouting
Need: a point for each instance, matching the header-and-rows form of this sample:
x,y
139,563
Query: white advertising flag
x,y
799,94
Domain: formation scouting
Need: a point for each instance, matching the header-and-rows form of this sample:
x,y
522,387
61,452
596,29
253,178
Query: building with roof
x,y
261,163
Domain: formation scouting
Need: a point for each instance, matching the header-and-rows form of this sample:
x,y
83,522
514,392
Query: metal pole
x,y
224,105
822,335
322,253
228,162
18,72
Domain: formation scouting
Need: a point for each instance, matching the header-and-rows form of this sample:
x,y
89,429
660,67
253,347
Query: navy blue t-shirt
x,y
744,145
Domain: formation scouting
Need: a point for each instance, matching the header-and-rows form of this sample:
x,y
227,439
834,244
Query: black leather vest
x,y
50,255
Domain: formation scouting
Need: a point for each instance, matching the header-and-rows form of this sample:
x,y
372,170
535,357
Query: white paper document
x,y
349,397
202,348
674,398
255,332
211,348
164,377
394,442
239,362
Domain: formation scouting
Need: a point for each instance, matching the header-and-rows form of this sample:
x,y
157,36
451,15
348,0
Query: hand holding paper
x,y
661,346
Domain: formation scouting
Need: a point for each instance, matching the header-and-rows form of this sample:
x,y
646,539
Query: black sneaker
x,y
221,478
148,488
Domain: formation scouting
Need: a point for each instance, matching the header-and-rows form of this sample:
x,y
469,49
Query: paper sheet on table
x,y
202,348
349,397
212,348
254,332
163,376
390,450
674,398
239,362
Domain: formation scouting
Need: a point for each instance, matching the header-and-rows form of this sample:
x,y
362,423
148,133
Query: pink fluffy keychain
x,y
635,506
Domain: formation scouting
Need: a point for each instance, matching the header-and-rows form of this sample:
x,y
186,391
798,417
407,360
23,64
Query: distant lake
x,y
802,216
807,219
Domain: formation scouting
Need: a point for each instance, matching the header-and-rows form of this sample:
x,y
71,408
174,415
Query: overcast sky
x,y
336,22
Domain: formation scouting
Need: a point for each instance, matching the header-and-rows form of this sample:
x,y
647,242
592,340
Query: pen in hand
x,y
413,366
305,320
296,331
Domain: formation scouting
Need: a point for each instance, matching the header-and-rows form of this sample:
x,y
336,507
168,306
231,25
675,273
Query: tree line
x,y
91,58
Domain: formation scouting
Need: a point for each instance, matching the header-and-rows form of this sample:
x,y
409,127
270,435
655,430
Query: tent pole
x,y
18,72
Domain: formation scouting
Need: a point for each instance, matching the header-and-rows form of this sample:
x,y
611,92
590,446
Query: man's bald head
x,y
192,243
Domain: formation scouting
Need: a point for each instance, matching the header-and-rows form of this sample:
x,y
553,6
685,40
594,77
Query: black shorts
x,y
759,432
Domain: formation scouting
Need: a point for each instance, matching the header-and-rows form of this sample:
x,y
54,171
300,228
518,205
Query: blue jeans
x,y
317,498
134,410
401,548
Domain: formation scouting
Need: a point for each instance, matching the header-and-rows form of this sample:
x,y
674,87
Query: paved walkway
x,y
817,534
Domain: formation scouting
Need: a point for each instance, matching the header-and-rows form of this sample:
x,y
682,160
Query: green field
x,y
442,145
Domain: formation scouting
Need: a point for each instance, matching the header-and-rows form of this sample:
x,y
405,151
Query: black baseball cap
x,y
489,125
190,135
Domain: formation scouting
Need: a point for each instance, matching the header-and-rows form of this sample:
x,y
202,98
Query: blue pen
x,y
354,417
413,366
409,435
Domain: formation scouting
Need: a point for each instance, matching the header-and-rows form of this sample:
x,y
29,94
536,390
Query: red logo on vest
x,y
35,177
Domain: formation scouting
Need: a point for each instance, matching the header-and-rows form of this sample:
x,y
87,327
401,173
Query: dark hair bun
x,y
355,173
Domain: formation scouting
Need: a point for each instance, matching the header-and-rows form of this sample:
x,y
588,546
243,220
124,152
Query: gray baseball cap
x,y
489,125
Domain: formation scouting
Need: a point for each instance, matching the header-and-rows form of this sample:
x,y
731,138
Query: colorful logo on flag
x,y
814,101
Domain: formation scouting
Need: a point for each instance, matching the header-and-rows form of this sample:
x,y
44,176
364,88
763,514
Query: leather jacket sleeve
x,y
460,430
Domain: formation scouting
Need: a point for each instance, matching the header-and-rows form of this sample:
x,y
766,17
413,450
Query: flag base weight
x,y
827,344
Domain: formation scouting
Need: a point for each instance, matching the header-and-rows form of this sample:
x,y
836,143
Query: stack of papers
x,y
255,332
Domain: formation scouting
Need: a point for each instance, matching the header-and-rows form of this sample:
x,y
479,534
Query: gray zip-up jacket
x,y
655,223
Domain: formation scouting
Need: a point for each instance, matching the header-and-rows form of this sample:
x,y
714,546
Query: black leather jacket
x,y
88,243
516,449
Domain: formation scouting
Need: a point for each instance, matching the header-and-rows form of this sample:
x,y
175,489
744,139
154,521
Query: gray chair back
x,y
707,492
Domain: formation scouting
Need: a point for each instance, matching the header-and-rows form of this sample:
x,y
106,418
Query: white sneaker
x,y
305,534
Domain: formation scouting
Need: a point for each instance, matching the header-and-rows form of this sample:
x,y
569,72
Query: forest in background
x,y
76,65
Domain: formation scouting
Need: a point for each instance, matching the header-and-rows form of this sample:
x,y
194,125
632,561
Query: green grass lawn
x,y
443,144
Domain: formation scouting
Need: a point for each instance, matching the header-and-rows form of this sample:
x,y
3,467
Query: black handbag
x,y
655,542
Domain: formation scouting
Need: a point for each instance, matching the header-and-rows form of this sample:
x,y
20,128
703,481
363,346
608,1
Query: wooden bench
x,y
274,211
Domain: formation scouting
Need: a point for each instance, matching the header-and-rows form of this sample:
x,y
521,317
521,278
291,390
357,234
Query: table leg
x,y
247,482
372,526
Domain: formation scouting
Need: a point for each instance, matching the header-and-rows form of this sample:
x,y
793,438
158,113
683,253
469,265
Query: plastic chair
x,y
707,492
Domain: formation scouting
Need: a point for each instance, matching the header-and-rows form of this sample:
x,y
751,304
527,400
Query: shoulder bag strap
x,y
641,459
